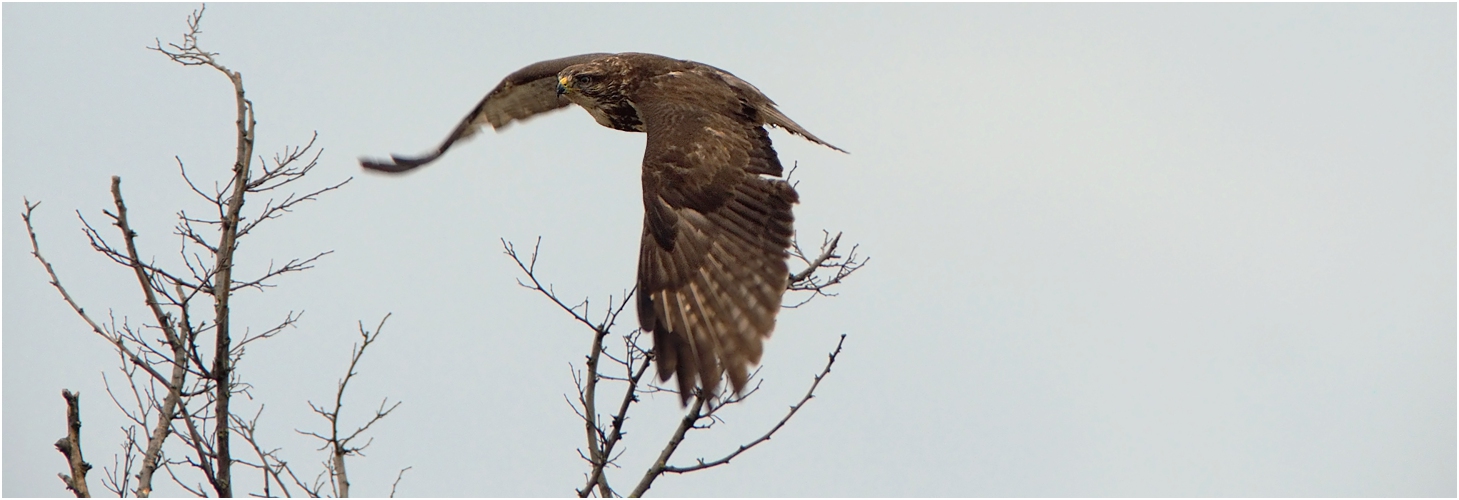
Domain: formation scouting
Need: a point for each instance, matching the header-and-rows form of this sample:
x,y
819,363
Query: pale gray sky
x,y
1127,250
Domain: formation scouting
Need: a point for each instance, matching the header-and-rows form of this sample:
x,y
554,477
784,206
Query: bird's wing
x,y
522,94
717,224
770,114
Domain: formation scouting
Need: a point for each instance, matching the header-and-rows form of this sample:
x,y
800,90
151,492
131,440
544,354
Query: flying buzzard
x,y
717,219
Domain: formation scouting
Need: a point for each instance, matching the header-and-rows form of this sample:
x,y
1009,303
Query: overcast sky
x,y
1128,250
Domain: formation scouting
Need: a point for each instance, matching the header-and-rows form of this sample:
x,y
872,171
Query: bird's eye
x,y
585,78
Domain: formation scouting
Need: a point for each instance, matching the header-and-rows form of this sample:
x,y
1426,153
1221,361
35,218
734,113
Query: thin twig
x,y
114,339
810,393
808,281
690,419
119,475
397,481
827,251
248,431
195,439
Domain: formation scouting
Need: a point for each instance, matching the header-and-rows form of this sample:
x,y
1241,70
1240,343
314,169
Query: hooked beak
x,y
562,87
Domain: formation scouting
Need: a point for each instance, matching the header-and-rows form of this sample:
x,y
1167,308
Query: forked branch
x,y
700,411
176,342
111,337
837,268
605,435
338,445
189,54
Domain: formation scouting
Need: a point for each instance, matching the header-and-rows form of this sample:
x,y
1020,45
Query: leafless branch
x,y
195,439
113,338
99,243
314,491
601,439
677,437
340,447
587,392
637,368
840,267
397,481
118,476
603,436
289,321
287,170
702,410
269,461
179,347
810,393
197,491
529,268
189,54
294,265
70,446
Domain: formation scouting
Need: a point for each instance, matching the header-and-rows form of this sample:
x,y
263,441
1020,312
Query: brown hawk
x,y
717,218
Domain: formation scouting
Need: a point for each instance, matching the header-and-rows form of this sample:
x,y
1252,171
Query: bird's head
x,y
601,87
583,80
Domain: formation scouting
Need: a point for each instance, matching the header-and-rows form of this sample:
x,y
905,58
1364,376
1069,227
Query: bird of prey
x,y
717,215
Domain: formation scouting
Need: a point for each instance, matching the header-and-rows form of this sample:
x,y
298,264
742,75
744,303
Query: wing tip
x,y
396,164
804,134
818,140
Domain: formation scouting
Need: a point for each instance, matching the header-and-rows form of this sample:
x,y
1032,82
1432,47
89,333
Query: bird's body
x,y
717,216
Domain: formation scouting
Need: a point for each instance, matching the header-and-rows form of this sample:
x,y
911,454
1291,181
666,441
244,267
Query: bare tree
x,y
628,364
177,383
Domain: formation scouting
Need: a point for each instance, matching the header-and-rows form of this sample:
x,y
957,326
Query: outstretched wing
x,y
716,227
526,92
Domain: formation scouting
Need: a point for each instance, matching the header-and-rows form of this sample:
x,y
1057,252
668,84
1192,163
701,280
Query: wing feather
x,y
524,93
765,107
712,263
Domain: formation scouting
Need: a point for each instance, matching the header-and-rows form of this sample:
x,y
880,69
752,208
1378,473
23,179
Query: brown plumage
x,y
717,218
